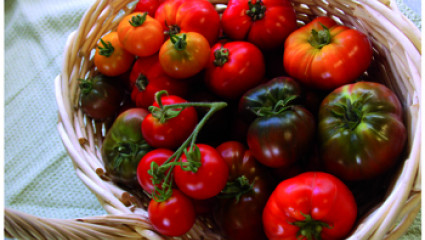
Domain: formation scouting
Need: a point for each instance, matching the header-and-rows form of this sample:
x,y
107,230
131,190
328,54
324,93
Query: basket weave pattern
x,y
397,57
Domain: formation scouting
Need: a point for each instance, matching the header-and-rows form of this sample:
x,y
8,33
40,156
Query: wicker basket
x,y
397,57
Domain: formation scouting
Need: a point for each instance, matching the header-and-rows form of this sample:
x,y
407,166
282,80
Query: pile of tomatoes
x,y
243,116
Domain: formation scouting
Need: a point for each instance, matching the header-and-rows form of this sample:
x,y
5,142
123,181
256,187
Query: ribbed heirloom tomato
x,y
234,68
266,23
182,16
361,130
325,55
147,78
140,34
312,205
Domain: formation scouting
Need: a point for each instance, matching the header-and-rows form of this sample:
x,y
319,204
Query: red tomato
x,y
326,59
174,131
208,180
182,16
173,217
159,156
266,23
313,203
149,6
184,55
234,68
147,78
110,57
140,34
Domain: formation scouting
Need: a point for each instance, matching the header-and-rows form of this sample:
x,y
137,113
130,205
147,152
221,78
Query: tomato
x,y
361,130
209,179
283,129
173,217
149,6
266,23
111,58
173,131
326,58
184,55
234,68
266,96
100,97
183,16
239,215
312,205
147,78
124,146
159,156
140,34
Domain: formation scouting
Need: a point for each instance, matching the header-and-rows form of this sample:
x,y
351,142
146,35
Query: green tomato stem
x,y
310,228
138,20
86,85
256,11
107,49
193,154
321,38
237,188
179,41
221,56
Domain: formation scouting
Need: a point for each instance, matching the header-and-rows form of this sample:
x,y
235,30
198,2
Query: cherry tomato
x,y
159,156
140,34
209,179
173,217
325,55
147,78
182,16
110,58
234,68
239,216
266,23
184,55
149,6
173,131
312,205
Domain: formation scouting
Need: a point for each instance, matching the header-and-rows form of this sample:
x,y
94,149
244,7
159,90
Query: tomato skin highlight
x,y
143,40
210,178
173,217
244,69
361,130
185,63
173,132
347,55
320,195
115,63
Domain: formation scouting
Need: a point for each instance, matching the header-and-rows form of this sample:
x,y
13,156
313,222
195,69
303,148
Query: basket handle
x,y
112,226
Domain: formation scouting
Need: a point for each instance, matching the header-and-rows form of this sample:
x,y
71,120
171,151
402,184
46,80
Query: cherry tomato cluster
x,y
243,115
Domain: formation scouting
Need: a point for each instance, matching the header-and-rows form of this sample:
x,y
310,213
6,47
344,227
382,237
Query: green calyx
x,y
179,41
86,85
221,56
256,10
321,38
237,188
127,151
350,113
310,228
106,49
279,106
141,82
138,20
